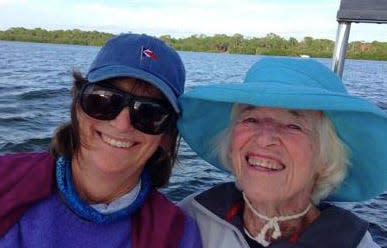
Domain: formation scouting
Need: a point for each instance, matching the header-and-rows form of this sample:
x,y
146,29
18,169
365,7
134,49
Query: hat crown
x,y
127,52
297,72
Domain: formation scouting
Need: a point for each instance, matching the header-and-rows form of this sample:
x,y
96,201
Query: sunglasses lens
x,y
150,117
101,103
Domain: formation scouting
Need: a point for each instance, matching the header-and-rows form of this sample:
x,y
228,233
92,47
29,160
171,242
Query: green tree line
x,y
75,36
271,44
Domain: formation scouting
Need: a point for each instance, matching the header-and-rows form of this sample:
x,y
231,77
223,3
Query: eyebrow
x,y
297,113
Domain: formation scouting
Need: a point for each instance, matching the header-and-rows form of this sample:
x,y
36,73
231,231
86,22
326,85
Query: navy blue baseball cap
x,y
144,57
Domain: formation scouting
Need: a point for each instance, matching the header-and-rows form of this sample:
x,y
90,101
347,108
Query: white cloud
x,y
195,18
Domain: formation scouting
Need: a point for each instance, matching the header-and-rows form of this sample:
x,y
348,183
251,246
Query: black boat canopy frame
x,y
358,11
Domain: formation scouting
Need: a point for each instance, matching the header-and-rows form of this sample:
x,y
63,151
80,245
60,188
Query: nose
x,y
122,122
267,133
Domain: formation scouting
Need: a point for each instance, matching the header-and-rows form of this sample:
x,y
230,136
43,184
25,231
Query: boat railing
x,y
357,11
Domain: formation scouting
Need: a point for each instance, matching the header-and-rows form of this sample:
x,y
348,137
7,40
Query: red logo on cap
x,y
149,53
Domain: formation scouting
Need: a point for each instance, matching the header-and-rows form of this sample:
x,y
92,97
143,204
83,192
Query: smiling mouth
x,y
259,163
116,143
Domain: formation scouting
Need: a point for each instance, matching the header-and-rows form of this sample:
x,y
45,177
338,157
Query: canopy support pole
x,y
340,49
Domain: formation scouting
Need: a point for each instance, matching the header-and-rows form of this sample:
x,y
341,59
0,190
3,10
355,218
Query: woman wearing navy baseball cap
x,y
97,186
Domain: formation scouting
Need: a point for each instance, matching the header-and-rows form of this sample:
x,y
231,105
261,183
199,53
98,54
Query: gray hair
x,y
333,153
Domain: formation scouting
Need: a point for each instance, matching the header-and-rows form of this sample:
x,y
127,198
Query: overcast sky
x,y
182,18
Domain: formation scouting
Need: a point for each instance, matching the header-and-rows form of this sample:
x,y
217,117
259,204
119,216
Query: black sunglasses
x,y
105,102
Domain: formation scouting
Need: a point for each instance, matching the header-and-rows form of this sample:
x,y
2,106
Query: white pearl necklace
x,y
271,223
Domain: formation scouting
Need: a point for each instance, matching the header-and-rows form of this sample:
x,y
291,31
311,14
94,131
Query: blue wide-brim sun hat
x,y
295,83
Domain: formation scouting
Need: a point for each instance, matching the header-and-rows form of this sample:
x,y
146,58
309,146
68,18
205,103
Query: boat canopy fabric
x,y
368,11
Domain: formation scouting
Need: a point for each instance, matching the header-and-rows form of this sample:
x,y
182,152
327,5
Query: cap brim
x,y
361,125
124,71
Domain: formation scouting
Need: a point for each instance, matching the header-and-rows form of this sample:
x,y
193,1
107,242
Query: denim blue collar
x,y
81,208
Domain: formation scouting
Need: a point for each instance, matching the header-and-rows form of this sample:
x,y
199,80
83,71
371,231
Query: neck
x,y
281,223
94,186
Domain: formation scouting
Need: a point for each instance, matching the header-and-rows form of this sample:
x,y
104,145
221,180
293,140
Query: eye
x,y
249,120
294,127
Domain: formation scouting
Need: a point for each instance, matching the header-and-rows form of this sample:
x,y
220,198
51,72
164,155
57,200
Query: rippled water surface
x,y
35,81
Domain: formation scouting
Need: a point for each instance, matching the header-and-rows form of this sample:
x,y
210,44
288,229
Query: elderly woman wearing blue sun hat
x,y
295,140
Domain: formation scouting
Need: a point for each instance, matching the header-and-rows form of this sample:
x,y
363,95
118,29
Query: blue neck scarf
x,y
81,208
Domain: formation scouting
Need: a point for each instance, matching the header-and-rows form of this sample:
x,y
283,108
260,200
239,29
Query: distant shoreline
x,y
271,44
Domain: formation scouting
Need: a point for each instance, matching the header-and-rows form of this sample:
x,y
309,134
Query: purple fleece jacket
x,y
32,214
50,223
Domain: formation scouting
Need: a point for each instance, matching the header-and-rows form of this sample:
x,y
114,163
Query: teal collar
x,y
84,210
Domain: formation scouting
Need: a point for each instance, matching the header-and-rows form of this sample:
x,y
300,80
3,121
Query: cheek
x,y
85,126
238,138
238,141
306,161
311,152
151,144
154,141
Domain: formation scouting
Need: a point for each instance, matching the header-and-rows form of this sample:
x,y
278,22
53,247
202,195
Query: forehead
x,y
136,86
279,112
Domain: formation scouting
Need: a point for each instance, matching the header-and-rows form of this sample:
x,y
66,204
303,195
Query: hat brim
x,y
108,72
360,124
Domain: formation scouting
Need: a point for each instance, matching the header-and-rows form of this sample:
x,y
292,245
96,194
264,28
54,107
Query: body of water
x,y
35,82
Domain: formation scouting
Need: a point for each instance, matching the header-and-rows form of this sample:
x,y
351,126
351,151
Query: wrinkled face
x,y
115,146
274,153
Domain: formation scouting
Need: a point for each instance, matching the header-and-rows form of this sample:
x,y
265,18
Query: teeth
x,y
117,143
264,163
